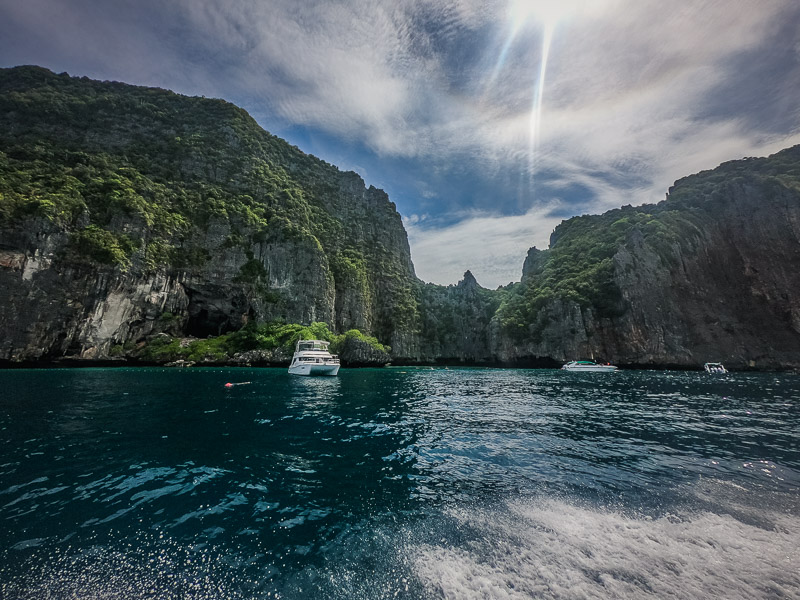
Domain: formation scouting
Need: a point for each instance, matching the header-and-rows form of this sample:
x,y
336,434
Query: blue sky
x,y
487,122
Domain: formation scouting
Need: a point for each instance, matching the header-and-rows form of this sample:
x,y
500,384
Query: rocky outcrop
x,y
128,212
454,325
724,290
277,357
359,353
534,261
163,213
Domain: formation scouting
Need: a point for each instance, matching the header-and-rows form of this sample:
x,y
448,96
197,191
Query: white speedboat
x,y
587,366
311,357
715,368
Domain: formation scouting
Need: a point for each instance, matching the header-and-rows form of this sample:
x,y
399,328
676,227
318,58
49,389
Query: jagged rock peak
x,y
469,281
533,262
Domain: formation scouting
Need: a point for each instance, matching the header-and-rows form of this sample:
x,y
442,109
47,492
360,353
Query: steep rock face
x,y
454,324
358,353
50,308
128,211
725,289
729,292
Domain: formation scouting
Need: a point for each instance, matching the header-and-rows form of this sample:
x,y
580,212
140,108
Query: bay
x,y
398,482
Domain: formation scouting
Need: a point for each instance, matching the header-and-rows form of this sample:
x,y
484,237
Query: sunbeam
x,y
501,60
520,14
538,96
547,14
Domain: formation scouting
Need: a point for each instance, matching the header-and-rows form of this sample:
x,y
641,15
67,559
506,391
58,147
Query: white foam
x,y
554,549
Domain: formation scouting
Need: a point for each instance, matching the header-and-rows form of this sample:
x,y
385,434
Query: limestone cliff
x,y
453,324
128,211
710,274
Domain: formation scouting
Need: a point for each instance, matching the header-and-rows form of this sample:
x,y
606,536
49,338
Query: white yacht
x,y
311,357
587,366
715,368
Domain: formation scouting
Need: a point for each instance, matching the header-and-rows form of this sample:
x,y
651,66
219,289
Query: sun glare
x,y
528,13
547,12
544,14
543,17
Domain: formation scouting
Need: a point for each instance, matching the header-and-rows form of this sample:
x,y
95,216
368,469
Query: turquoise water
x,y
398,483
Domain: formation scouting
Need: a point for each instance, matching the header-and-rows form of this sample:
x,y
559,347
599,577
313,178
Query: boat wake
x,y
720,545
554,549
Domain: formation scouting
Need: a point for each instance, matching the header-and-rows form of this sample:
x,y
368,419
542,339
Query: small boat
x,y
588,366
311,357
714,368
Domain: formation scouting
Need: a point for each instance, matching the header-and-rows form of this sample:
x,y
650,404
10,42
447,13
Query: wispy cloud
x,y
492,247
637,93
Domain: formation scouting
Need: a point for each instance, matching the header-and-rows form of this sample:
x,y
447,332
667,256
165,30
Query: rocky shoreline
x,y
250,361
181,217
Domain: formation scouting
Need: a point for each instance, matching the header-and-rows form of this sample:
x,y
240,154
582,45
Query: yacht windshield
x,y
312,345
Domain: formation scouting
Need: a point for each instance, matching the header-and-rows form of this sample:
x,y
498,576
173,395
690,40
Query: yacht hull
x,y
587,366
311,357
312,369
596,369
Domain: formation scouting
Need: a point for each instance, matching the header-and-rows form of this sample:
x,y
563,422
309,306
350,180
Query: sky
x,y
487,122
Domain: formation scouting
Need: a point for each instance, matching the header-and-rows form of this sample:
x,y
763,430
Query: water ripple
x,y
416,483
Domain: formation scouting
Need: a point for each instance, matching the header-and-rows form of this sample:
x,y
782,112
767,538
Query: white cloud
x,y
362,70
396,76
492,247
627,78
625,104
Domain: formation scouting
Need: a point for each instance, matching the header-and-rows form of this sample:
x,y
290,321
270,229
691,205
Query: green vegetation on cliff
x,y
274,336
145,180
157,159
579,267
129,201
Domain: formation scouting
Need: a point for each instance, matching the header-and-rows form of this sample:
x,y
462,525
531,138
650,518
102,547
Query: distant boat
x,y
715,368
588,366
311,357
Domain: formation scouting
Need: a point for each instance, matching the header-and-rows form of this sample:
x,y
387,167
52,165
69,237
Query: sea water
x,y
398,483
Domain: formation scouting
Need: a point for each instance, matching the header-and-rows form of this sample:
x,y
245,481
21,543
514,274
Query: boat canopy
x,y
306,345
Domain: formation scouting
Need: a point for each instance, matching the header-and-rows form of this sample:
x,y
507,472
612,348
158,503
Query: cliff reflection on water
x,y
426,483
